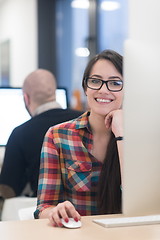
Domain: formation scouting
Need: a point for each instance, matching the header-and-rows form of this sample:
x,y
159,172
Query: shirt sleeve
x,y
50,187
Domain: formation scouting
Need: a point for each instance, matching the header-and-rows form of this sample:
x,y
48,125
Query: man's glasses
x,y
113,85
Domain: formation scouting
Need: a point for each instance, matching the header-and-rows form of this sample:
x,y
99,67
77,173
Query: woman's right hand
x,y
63,210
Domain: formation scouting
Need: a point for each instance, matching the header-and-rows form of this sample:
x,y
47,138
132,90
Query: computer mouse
x,y
71,223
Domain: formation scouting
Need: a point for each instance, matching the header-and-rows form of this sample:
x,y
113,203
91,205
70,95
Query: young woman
x,y
81,159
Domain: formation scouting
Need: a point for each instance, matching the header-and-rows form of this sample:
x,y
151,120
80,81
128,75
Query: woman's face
x,y
103,101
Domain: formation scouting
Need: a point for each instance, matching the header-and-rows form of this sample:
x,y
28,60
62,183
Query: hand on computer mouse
x,y
64,210
71,223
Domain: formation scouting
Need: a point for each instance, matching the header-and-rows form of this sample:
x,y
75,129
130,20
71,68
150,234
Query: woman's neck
x,y
101,136
97,124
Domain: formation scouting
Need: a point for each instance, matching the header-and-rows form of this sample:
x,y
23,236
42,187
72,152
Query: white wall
x,y
18,23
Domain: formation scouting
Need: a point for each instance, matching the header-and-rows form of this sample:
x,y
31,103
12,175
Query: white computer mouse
x,y
71,223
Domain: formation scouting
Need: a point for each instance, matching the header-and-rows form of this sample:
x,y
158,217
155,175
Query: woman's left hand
x,y
114,120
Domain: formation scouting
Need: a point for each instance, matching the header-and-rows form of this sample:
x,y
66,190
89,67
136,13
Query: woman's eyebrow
x,y
113,77
95,75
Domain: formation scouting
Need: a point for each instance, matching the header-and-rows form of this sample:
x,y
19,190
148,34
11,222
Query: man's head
x,y
39,87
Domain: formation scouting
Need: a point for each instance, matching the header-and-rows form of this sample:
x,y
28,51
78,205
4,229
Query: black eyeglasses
x,y
113,85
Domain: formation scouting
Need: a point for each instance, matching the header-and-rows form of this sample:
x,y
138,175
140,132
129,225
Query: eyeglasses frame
x,y
103,82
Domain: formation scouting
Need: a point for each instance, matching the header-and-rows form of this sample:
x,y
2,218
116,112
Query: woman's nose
x,y
104,88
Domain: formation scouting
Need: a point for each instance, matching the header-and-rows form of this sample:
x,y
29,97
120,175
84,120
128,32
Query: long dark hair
x,y
109,186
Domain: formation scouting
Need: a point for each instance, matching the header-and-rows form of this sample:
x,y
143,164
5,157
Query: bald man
x,y
22,156
39,91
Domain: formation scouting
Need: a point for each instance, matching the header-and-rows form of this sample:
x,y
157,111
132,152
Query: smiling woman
x,y
103,94
76,155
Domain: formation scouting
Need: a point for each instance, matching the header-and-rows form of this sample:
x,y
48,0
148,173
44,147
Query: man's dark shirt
x,y
22,155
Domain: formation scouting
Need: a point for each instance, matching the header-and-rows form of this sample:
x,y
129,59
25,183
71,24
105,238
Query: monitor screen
x,y
13,111
61,97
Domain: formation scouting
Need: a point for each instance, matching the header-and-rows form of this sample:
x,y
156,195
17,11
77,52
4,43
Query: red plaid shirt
x,y
68,171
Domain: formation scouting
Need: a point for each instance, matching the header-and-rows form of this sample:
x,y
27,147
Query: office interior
x,y
58,35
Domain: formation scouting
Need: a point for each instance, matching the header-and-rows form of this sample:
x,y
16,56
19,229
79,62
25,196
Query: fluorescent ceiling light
x,y
82,52
80,4
110,5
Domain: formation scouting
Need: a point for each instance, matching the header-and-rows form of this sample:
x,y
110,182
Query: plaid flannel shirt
x,y
68,171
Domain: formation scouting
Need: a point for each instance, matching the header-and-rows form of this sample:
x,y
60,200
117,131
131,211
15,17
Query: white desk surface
x,y
41,230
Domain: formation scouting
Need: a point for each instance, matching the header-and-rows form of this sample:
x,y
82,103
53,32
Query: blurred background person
x,y
19,174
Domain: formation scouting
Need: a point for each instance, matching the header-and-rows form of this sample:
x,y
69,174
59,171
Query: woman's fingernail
x,y
66,220
76,219
60,224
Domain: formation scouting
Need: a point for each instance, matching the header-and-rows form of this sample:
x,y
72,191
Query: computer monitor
x,y
141,165
13,111
62,97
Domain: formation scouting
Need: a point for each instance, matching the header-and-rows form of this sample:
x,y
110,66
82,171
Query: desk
x,y
41,230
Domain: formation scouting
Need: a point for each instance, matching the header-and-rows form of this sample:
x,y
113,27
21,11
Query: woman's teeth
x,y
103,100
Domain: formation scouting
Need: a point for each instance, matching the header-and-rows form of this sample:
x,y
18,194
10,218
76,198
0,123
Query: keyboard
x,y
128,221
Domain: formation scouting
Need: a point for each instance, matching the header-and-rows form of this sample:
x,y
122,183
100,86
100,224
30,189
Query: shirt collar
x,y
45,107
83,121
